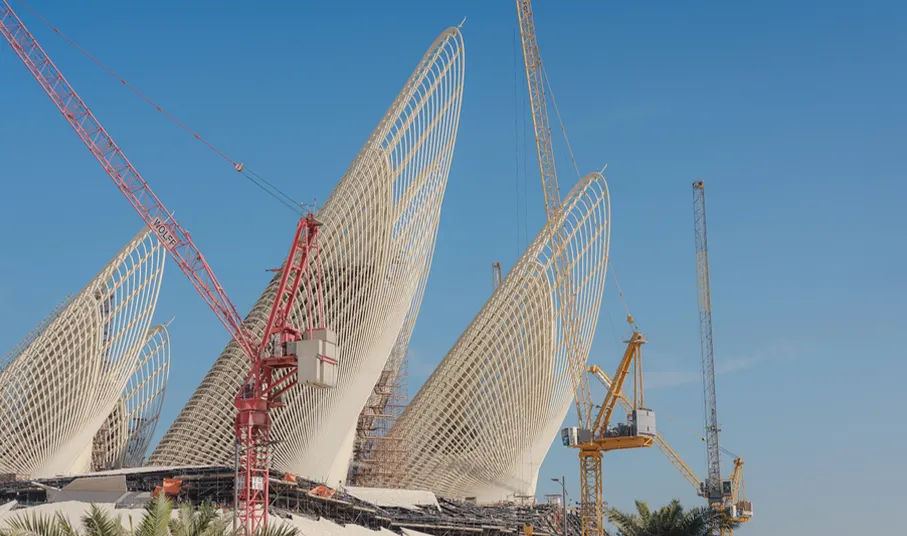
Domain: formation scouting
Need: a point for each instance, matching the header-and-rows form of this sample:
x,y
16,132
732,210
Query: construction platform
x,y
389,509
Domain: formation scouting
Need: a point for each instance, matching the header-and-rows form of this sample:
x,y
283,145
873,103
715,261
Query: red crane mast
x,y
282,346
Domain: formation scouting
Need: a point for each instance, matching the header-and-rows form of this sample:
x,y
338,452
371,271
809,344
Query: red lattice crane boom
x,y
278,349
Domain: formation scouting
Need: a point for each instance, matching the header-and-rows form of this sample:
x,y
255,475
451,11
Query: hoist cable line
x,y
249,174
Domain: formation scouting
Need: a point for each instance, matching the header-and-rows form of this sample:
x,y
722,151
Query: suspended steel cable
x,y
252,176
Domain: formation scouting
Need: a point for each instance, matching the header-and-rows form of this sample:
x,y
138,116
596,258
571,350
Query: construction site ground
x,y
311,506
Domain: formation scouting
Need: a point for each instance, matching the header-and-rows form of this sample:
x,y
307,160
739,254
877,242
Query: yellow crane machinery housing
x,y
637,432
741,510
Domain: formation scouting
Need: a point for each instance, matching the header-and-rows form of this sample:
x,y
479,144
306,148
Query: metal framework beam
x,y
713,490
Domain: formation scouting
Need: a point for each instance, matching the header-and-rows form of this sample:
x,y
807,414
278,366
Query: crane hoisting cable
x,y
276,359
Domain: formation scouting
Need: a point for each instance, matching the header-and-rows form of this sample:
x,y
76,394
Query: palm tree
x,y
97,522
32,524
157,520
669,520
204,521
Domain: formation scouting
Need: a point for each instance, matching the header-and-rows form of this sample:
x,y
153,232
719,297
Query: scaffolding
x,y
300,497
380,467
297,496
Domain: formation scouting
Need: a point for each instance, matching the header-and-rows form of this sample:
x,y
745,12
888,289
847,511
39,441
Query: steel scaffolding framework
x,y
373,466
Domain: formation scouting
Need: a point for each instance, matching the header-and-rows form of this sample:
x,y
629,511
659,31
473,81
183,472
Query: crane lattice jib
x,y
174,238
615,390
713,482
659,442
737,493
535,80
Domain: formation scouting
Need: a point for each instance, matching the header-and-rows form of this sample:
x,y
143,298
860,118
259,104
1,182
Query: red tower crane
x,y
284,356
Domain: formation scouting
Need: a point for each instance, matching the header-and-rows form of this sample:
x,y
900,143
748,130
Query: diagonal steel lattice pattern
x,y
124,438
482,423
377,239
69,377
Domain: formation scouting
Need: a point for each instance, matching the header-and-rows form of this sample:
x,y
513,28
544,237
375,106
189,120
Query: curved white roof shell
x,y
377,241
482,423
68,377
123,439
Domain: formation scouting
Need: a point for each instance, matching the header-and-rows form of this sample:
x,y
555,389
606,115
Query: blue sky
x,y
793,113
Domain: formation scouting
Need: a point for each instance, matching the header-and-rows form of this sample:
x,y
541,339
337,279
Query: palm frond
x,y
282,529
697,521
644,513
34,524
206,515
184,523
98,522
156,520
670,520
64,525
221,526
627,524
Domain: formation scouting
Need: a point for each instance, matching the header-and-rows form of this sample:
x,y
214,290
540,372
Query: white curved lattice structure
x,y
482,423
123,439
377,241
59,388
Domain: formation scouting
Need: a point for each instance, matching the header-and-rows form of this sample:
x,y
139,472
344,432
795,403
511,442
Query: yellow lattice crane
x,y
593,434
637,432
739,508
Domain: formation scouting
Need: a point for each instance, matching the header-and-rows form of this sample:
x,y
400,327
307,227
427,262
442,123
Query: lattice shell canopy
x,y
62,385
482,423
123,439
377,241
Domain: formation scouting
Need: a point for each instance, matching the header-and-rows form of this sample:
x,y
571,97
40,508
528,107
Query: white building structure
x,y
482,423
124,438
67,378
377,241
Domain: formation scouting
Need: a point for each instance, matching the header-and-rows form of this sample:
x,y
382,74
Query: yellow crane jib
x,y
638,431
741,509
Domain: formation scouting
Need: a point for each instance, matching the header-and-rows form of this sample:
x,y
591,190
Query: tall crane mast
x,y
276,357
535,77
588,435
713,488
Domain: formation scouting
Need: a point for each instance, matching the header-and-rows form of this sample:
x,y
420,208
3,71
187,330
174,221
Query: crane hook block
x,y
239,167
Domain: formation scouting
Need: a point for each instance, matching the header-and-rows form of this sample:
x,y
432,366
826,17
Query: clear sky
x,y
793,113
